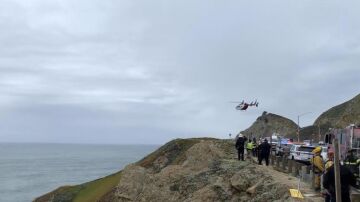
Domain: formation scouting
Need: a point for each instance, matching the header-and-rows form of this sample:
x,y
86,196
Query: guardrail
x,y
297,169
294,168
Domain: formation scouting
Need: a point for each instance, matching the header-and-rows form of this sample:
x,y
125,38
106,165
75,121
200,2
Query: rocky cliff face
x,y
206,171
186,170
269,123
341,115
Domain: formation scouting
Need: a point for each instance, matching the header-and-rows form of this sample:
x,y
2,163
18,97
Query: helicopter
x,y
244,105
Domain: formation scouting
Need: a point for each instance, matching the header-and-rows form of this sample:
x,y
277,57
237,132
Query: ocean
x,y
29,170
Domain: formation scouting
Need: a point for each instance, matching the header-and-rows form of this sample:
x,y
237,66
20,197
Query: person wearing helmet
x,y
347,179
352,162
329,163
318,166
240,142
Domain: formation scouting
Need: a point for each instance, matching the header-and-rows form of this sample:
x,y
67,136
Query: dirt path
x,y
285,179
291,182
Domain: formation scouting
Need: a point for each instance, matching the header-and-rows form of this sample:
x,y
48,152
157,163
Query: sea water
x,y
29,170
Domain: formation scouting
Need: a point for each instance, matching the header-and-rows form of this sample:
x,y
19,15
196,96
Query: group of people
x,y
348,174
259,149
323,171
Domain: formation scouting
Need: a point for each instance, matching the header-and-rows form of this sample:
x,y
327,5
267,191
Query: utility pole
x,y
337,171
298,130
319,132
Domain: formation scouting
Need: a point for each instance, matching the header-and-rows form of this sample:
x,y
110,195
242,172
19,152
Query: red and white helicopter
x,y
244,105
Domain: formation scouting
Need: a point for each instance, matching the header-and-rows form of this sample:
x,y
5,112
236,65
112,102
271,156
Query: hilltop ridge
x,y
339,116
269,123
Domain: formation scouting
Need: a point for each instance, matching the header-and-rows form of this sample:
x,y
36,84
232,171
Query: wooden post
x,y
298,168
303,173
274,159
278,162
312,178
294,169
283,164
290,165
337,171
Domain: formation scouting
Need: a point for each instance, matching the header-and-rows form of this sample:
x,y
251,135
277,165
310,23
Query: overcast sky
x,y
150,71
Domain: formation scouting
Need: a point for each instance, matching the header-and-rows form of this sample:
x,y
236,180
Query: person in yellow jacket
x,y
318,166
249,147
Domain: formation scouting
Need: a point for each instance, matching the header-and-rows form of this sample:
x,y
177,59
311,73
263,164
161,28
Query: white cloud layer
x,y
150,71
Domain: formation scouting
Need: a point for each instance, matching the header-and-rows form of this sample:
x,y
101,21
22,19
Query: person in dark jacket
x,y
347,179
264,149
240,146
255,147
352,162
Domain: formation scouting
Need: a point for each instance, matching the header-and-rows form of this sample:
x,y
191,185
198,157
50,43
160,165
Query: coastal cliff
x,y
339,116
269,123
201,169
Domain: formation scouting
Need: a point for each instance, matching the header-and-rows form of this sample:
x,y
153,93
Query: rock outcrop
x,y
269,123
190,170
207,173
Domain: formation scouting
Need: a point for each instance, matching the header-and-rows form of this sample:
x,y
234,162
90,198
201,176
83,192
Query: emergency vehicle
x,y
349,139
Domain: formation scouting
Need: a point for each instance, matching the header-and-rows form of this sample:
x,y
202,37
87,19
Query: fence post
x,y
272,160
278,162
298,169
283,164
290,164
312,178
293,172
303,173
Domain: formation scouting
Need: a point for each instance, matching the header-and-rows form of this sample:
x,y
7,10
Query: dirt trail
x,y
291,182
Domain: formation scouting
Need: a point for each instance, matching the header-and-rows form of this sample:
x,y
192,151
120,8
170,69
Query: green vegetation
x,y
95,190
89,192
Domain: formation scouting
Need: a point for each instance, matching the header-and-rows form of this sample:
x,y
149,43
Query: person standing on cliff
x,y
264,151
318,167
255,148
347,179
249,148
240,146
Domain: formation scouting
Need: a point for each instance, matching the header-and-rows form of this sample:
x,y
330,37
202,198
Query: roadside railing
x,y
294,168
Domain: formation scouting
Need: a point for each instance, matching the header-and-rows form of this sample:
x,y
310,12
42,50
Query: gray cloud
x,y
126,71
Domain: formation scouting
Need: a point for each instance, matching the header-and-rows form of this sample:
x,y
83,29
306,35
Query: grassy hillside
x,y
87,192
341,115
